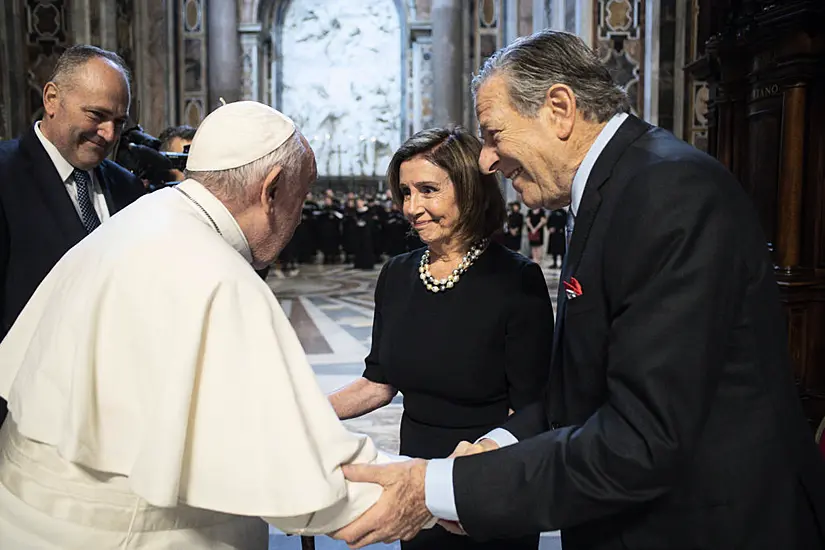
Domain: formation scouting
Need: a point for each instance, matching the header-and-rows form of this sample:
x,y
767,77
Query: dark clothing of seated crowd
x,y
349,230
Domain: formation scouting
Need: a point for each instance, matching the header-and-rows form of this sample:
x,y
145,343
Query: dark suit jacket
x,y
671,418
38,221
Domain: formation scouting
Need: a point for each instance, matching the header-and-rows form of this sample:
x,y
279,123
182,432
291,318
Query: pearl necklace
x,y
441,285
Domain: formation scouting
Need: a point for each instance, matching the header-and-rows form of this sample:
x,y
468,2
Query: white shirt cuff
x,y
501,436
438,489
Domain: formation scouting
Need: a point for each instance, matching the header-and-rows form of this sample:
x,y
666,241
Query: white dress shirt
x,y
65,170
438,482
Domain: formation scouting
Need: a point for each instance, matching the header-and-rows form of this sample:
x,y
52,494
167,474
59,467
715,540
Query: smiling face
x,y
429,200
530,151
85,112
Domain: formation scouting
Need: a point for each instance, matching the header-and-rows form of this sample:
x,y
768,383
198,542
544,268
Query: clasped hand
x,y
401,511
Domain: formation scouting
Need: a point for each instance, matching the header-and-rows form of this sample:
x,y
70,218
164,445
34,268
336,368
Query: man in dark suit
x,y
671,418
55,184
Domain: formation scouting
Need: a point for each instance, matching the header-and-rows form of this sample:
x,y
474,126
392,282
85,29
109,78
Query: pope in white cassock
x,y
158,396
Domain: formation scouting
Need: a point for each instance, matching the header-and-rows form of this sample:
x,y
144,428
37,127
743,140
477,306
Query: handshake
x,y
401,512
466,448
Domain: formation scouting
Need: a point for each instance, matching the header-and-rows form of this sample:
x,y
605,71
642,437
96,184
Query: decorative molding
x,y
47,36
192,61
126,25
419,10
250,62
697,92
421,84
486,37
651,62
679,62
152,65
541,15
343,75
620,45
268,81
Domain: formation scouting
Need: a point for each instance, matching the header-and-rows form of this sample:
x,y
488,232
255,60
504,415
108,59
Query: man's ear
x,y
270,186
50,99
560,108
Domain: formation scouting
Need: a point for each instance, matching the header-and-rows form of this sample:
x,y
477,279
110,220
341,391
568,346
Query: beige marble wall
x,y
423,9
248,11
154,87
525,17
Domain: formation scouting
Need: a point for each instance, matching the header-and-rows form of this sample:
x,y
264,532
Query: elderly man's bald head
x,y
260,166
68,70
86,105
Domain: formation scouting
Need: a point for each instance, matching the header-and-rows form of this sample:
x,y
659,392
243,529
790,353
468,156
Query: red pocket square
x,y
572,288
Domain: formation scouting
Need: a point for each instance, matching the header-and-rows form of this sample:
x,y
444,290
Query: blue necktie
x,y
87,211
568,228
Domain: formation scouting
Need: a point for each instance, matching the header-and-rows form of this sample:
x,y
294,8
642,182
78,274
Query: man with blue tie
x,y
56,185
670,419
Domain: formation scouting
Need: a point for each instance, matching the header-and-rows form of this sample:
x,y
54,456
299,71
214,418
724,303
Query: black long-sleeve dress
x,y
462,358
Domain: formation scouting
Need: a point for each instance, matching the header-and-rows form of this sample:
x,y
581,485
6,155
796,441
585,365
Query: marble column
x,y
14,108
223,53
448,62
154,64
250,60
94,22
791,178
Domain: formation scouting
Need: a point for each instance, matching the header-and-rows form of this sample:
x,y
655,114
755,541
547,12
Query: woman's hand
x,y
465,448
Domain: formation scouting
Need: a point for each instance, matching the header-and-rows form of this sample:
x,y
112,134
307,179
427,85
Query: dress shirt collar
x,y
214,212
64,169
583,173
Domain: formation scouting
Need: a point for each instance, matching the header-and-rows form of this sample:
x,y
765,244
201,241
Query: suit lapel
x,y
591,200
628,132
51,188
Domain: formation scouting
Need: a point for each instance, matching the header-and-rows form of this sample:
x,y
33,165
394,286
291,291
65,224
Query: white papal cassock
x,y
159,398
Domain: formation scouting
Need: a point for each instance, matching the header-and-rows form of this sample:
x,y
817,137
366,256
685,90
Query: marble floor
x,y
331,309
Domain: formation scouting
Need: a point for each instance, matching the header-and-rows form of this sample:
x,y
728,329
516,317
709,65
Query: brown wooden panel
x,y
797,318
762,160
813,233
773,138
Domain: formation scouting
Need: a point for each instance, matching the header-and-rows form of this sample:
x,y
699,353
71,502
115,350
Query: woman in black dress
x,y
536,220
556,222
515,223
363,249
463,328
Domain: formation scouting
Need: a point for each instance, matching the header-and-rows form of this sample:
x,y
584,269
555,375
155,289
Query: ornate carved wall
x,y
258,29
263,61
695,117
33,34
13,95
154,58
420,91
340,79
619,41
191,61
485,35
764,64
47,34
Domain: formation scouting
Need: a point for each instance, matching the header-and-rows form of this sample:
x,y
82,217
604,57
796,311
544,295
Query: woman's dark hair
x,y
481,210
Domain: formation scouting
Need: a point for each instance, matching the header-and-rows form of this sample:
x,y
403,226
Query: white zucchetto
x,y
236,134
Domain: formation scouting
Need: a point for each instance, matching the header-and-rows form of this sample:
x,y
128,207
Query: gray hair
x,y
234,185
77,56
532,64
